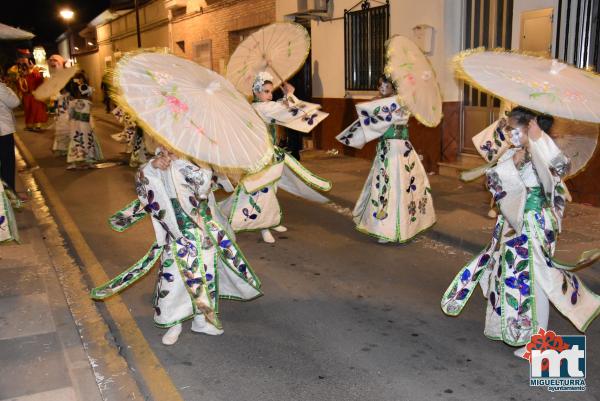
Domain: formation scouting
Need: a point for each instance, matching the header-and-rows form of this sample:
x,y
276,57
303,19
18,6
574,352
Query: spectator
x,y
8,101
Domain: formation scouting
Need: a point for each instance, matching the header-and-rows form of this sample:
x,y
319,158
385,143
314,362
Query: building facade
x,y
208,31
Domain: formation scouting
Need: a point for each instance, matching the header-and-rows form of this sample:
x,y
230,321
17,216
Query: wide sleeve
x,y
378,115
155,200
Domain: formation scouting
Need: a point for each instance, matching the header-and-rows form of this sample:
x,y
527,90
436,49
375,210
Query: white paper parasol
x,y
192,110
578,141
280,48
414,79
7,32
544,85
53,85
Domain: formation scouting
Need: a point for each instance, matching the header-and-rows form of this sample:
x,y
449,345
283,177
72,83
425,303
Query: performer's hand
x,y
161,162
534,131
288,89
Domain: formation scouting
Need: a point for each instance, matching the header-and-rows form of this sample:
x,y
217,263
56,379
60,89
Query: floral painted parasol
x,y
544,85
280,49
192,110
414,79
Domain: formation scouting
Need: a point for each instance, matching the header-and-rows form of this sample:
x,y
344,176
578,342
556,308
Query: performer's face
x,y
23,64
517,132
266,94
385,88
54,63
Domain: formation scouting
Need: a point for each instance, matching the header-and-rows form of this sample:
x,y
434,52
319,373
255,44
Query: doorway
x,y
536,31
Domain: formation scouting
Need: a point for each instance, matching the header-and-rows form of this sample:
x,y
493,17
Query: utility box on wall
x,y
423,37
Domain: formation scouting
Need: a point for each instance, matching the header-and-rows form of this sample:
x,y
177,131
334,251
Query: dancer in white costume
x,y
84,149
517,270
253,205
395,203
62,124
200,260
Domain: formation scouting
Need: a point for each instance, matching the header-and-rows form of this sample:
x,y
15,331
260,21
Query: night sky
x,y
41,17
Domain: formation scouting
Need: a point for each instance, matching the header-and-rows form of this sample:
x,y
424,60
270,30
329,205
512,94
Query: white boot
x,y
519,352
172,335
267,236
200,325
280,229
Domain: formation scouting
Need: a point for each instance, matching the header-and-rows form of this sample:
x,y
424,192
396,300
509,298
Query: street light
x,y
67,15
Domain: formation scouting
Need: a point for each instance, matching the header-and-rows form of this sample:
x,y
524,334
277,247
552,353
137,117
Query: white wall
x,y
527,5
328,40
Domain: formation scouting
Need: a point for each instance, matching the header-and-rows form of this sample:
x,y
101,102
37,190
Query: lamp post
x,y
67,15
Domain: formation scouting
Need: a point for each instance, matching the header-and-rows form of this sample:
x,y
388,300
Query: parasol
x,y
547,86
577,141
280,48
414,79
9,33
53,85
192,110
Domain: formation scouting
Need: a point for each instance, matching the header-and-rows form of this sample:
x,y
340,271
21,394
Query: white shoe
x,y
382,241
519,352
172,335
280,229
267,236
200,325
492,214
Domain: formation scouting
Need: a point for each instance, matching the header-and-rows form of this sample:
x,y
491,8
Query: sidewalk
x,y
43,357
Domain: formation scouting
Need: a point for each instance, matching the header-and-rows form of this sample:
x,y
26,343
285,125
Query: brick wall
x,y
218,22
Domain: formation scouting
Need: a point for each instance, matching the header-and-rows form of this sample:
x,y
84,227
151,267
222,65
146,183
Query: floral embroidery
x,y
382,182
380,113
495,185
346,138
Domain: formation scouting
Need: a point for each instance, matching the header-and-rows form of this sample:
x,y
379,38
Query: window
x,y
365,33
487,23
203,53
578,33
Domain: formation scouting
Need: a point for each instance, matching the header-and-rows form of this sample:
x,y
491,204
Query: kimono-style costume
x,y
83,145
62,124
395,203
200,260
253,204
133,136
139,152
35,111
520,255
8,225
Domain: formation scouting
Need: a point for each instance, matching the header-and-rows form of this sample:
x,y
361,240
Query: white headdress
x,y
259,81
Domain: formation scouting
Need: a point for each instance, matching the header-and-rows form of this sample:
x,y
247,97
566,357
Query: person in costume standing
x,y
62,134
84,149
30,77
254,206
517,270
395,203
200,260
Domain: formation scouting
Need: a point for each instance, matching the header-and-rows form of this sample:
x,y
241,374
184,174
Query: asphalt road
x,y
343,318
